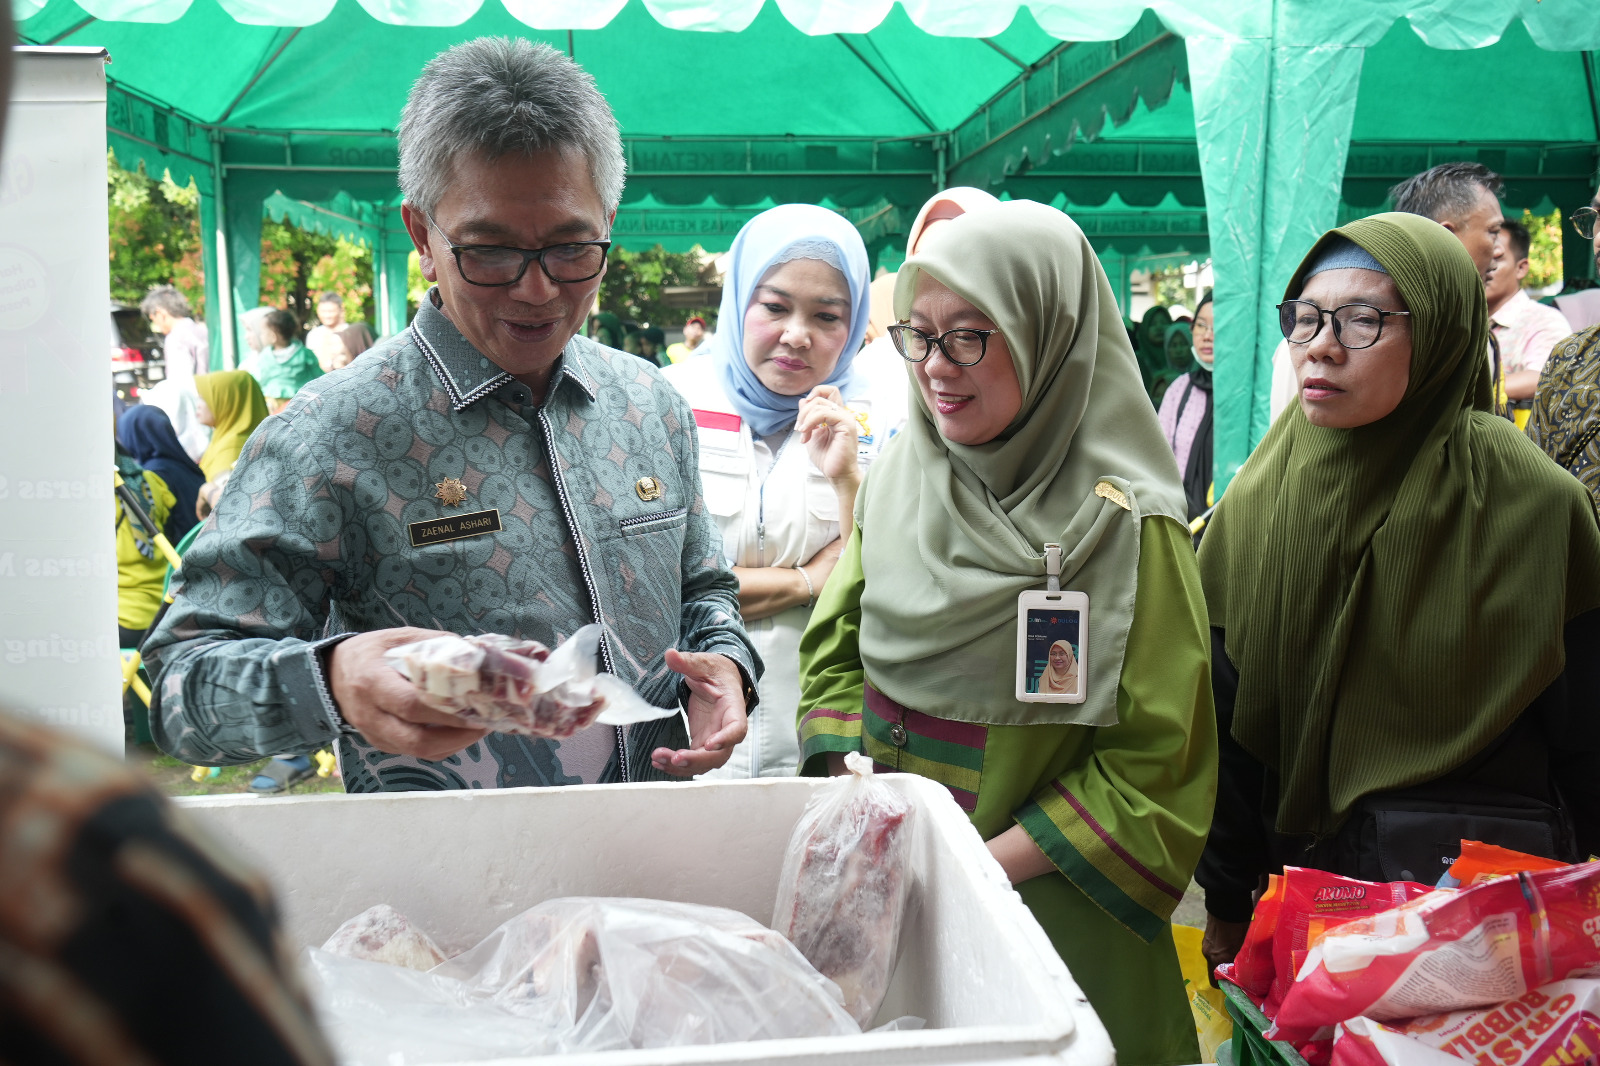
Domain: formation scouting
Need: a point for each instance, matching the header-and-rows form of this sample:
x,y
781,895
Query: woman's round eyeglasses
x,y
1355,326
963,347
492,265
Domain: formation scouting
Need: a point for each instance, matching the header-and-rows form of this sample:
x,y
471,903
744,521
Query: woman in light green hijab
x,y
1037,431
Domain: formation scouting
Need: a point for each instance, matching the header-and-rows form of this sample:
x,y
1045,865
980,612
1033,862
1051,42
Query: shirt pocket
x,y
724,481
657,522
822,514
646,575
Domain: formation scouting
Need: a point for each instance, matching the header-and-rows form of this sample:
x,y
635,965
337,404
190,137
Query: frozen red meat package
x,y
846,884
520,686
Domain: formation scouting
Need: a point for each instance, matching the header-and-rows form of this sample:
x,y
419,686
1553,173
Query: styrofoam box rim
x,y
1069,1033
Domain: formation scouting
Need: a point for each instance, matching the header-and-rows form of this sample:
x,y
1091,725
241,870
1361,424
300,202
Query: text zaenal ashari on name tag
x,y
455,527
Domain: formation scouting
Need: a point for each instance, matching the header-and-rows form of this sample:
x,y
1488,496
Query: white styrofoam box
x,y
973,960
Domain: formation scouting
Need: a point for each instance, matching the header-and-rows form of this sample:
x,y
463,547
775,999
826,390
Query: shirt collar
x,y
1513,309
466,373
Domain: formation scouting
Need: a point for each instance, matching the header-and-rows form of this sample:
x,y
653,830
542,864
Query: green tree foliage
x,y
1544,249
299,265
634,280
155,235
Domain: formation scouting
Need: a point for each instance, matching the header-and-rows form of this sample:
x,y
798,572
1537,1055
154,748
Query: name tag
x,y
455,527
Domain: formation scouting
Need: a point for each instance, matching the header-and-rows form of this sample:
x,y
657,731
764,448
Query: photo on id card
x,y
1052,652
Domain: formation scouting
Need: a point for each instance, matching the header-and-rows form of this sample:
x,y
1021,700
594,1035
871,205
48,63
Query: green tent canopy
x,y
1236,128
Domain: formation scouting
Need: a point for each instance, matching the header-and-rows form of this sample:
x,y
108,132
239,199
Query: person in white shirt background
x,y
1526,331
778,409
186,350
879,364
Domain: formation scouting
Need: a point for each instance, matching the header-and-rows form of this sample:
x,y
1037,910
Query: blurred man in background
x,y
334,333
186,351
1526,331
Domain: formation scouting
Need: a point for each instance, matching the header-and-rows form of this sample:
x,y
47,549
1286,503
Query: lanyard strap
x,y
1052,567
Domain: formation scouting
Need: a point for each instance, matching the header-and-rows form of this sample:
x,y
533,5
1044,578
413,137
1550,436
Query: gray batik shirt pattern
x,y
310,543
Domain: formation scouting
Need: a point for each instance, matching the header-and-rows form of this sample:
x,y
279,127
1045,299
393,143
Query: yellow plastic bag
x,y
1211,1022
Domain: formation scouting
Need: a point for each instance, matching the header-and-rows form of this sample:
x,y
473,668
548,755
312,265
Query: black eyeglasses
x,y
1583,221
1355,326
963,347
491,265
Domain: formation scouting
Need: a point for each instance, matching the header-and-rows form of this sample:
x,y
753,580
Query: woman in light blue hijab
x,y
784,437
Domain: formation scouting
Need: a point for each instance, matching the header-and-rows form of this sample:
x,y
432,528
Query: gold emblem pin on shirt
x,y
648,489
451,492
1106,490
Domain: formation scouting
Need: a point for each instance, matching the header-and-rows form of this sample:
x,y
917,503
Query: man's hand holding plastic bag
x,y
508,685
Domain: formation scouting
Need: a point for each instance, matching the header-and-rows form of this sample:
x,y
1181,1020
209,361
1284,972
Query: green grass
x,y
172,776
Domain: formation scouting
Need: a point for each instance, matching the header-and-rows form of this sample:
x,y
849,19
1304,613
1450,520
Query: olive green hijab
x,y
951,534
1394,595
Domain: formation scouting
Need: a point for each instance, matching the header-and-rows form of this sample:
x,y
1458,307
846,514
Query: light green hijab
x,y
951,533
1393,595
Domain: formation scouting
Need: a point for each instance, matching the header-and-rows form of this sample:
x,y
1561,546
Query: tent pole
x,y
382,270
224,308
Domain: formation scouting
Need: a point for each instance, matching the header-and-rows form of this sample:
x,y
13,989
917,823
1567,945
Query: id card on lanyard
x,y
1052,639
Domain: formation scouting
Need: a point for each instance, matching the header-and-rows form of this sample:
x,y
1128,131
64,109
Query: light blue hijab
x,y
762,242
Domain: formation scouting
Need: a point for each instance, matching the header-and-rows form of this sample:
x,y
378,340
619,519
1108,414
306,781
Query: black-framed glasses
x,y
1354,325
1583,221
493,266
963,347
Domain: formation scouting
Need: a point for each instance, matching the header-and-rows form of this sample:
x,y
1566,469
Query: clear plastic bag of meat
x,y
846,884
583,975
520,686
383,934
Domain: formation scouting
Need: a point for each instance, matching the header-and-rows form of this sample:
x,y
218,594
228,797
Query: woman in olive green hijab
x,y
1403,592
1029,425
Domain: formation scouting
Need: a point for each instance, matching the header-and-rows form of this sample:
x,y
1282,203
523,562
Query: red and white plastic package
x,y
846,884
1252,968
1554,1025
1452,949
520,686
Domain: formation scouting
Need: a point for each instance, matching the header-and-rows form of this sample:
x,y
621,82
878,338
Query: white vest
x,y
773,509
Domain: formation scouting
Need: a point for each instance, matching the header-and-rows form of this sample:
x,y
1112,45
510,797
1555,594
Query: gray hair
x,y
167,299
499,95
1447,192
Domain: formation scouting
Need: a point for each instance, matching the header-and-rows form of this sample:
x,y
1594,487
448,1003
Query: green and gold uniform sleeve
x,y
1127,825
832,679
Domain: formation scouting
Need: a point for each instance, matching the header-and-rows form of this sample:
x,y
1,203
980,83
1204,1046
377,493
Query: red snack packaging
x,y
1480,862
1554,1025
1315,901
1450,950
1251,969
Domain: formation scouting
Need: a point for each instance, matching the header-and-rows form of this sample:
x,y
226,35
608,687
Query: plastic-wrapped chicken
x,y
520,686
583,975
846,884
382,934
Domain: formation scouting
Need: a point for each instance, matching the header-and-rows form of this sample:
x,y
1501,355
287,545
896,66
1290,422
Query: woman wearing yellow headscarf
x,y
234,407
1030,425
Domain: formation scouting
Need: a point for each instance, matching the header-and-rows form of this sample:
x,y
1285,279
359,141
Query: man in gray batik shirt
x,y
573,466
